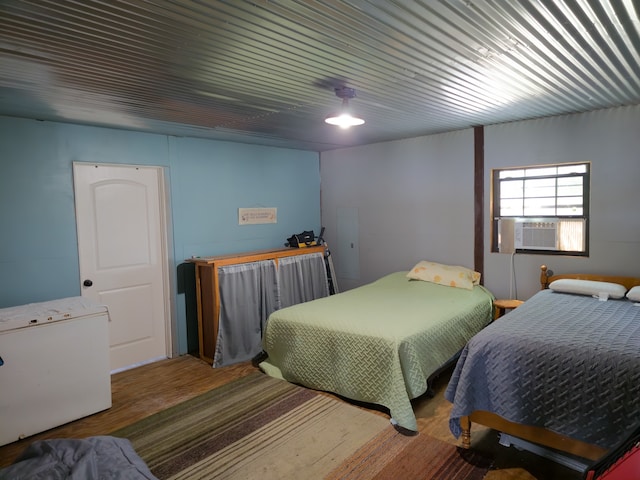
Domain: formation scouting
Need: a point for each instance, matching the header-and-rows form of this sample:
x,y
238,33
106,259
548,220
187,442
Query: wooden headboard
x,y
546,279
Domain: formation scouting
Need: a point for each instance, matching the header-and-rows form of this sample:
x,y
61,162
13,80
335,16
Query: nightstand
x,y
500,306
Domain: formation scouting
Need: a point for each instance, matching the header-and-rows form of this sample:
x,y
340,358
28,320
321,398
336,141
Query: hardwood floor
x,y
138,393
145,390
509,463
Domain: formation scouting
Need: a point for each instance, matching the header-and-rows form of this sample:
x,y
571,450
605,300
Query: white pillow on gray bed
x,y
588,287
634,294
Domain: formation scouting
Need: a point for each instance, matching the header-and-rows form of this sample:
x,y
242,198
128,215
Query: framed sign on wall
x,y
253,216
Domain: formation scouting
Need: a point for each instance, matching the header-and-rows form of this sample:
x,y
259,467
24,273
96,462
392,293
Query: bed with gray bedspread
x,y
567,363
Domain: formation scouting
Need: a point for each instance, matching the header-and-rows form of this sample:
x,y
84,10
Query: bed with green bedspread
x,y
378,343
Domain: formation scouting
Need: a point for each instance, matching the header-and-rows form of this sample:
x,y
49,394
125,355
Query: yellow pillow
x,y
449,275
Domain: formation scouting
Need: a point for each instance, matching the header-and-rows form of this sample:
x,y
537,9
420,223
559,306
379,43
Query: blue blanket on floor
x,y
100,457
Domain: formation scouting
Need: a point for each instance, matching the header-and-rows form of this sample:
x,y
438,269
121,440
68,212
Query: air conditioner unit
x,y
536,235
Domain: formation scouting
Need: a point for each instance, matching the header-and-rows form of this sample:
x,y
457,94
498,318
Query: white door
x,y
122,253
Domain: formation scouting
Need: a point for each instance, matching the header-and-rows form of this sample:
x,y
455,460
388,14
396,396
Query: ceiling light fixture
x,y
344,119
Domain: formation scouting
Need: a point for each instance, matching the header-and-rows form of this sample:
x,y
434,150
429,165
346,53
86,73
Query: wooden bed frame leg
x,y
544,278
465,424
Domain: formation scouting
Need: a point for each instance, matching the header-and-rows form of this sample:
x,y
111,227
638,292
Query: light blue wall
x,y
208,181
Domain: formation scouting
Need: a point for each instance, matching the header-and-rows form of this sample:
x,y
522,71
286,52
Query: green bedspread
x,y
378,343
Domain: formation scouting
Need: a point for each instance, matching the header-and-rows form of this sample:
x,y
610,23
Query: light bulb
x,y
344,120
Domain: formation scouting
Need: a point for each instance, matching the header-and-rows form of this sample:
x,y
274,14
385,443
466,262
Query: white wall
x,y
610,139
413,199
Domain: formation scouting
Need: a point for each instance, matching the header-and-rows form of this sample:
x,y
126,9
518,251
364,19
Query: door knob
x,y
87,283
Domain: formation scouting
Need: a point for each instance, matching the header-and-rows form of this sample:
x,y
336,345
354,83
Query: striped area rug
x,y
391,456
259,427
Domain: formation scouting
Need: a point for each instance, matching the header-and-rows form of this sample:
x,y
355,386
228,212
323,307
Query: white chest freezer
x,y
54,365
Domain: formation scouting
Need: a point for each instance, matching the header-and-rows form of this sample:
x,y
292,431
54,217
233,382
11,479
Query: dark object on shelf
x,y
300,240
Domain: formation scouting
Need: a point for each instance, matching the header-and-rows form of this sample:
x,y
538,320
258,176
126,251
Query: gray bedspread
x,y
567,363
100,457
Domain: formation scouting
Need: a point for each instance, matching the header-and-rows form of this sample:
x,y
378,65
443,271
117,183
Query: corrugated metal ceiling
x,y
265,71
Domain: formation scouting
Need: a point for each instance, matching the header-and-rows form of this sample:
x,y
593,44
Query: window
x,y
542,209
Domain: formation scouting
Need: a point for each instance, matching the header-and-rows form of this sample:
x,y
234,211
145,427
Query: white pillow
x,y
634,294
588,287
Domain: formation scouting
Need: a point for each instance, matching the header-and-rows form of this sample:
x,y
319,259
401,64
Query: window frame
x,y
585,216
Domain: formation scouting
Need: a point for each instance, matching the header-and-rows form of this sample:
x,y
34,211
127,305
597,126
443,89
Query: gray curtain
x,y
302,278
248,295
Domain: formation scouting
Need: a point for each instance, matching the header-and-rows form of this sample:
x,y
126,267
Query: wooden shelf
x,y
208,294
